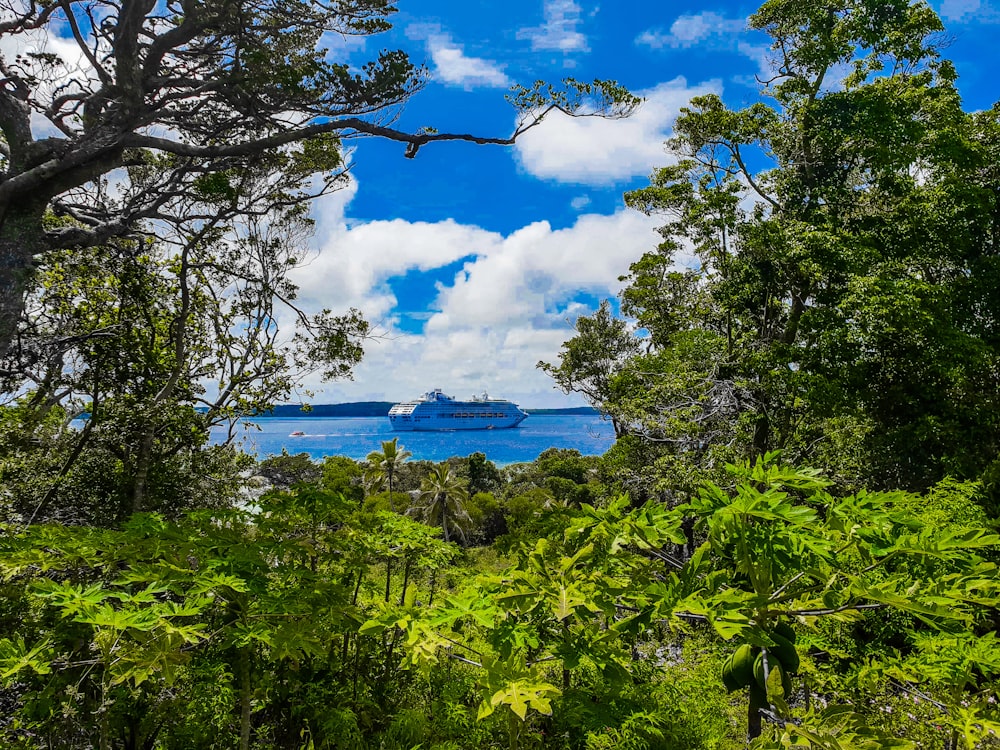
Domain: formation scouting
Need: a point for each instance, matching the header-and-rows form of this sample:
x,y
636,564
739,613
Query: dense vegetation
x,y
322,613
699,586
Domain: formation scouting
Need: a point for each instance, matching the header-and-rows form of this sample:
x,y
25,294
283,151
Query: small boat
x,y
296,433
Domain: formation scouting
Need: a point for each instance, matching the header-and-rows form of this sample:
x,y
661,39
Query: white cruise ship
x,y
436,411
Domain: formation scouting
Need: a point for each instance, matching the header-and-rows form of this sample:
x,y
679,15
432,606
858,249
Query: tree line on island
x,y
381,409
701,585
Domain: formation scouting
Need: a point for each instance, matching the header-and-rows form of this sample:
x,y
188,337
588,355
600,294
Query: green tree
x,y
845,229
442,503
286,470
157,343
589,361
343,476
383,466
483,474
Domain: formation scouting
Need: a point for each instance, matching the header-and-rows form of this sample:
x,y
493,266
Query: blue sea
x,y
356,437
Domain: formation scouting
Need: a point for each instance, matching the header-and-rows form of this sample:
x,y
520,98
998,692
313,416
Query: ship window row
x,y
479,415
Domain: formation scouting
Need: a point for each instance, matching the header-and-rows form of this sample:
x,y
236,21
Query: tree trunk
x,y
761,441
21,240
406,580
758,700
245,694
142,463
444,519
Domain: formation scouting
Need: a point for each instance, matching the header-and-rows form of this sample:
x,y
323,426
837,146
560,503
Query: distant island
x,y
381,409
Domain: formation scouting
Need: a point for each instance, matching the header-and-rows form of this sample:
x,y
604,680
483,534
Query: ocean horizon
x,y
356,437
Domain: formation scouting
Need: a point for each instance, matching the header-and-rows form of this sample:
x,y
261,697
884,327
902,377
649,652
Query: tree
x,y
442,503
483,474
588,361
844,305
190,95
384,466
158,341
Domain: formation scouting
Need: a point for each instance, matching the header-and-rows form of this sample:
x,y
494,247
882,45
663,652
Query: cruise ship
x,y
436,411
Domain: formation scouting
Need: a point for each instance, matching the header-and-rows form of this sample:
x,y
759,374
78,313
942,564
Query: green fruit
x,y
774,665
784,651
758,671
743,664
737,670
786,631
727,675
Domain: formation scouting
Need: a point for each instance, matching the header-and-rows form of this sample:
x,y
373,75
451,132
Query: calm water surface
x,y
356,437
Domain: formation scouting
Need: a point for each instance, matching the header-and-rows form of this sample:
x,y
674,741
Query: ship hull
x,y
406,424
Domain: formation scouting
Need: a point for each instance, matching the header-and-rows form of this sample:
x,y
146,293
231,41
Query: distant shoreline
x,y
381,409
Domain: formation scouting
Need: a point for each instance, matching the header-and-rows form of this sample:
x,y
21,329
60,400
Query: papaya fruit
x,y
774,665
743,664
728,679
737,670
784,651
786,631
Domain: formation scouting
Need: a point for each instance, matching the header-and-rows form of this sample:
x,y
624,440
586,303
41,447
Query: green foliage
x,y
841,229
384,465
343,476
442,502
589,360
286,470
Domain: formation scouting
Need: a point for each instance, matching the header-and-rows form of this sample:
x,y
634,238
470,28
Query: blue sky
x,y
473,261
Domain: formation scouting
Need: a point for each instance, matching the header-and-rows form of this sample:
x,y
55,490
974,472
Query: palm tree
x,y
442,503
383,466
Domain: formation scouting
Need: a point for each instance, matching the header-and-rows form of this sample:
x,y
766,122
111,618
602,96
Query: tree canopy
x,y
843,308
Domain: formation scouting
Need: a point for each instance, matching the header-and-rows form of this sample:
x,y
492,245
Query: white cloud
x,y
596,151
357,260
339,46
713,32
559,32
580,202
502,312
691,30
452,66
73,74
969,11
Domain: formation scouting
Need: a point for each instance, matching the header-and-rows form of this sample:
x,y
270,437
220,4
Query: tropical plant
x,y
441,502
383,467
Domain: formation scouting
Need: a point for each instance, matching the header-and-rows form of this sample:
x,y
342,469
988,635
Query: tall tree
x,y
442,503
589,361
159,341
207,90
383,467
844,306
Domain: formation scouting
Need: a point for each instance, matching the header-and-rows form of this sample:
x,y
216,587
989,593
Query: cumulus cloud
x,y
691,30
453,67
510,304
559,32
596,151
